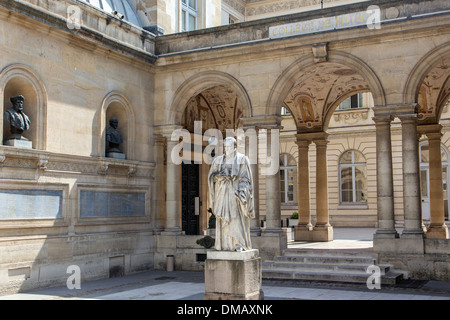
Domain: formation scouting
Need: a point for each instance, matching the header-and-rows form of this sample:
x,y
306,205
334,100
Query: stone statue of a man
x,y
230,185
17,119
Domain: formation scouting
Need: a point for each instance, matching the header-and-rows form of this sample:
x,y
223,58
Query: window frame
x,y
355,103
285,167
187,10
353,165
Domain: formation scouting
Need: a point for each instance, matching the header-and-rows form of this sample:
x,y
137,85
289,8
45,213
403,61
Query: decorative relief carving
x,y
316,91
42,162
351,116
236,5
434,92
102,168
217,107
80,165
276,6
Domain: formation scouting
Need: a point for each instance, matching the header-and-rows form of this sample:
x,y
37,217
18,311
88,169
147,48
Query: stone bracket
x,y
104,164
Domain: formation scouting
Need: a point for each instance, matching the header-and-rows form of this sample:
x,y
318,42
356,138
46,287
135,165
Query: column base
x,y
303,233
386,234
226,296
231,275
413,234
172,232
437,232
322,233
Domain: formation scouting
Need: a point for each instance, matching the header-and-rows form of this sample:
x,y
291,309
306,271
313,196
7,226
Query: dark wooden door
x,y
190,191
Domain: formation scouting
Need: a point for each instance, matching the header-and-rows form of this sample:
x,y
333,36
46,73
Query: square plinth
x,y
18,143
116,155
233,275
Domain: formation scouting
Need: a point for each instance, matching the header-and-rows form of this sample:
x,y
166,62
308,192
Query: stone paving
x,y
185,285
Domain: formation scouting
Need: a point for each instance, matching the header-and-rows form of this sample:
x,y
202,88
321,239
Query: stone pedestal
x,y
19,143
322,233
116,155
233,275
303,233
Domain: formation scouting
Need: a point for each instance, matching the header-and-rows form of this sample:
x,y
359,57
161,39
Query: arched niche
x,y
116,105
21,80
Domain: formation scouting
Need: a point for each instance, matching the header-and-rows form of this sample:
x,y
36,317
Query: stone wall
x,y
423,259
60,198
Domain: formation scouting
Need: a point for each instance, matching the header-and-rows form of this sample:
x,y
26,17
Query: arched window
x,y
352,178
288,179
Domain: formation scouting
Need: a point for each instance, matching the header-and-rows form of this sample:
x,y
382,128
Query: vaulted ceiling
x,y
434,92
217,107
318,90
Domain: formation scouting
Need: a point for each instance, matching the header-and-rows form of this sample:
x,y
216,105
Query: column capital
x,y
262,122
159,138
408,118
320,138
399,110
383,119
316,137
166,130
303,140
432,131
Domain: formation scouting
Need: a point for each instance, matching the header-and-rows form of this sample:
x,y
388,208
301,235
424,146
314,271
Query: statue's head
x,y
17,102
113,122
229,145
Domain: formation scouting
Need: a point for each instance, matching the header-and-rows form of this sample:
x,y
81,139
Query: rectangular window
x,y
283,186
353,178
354,102
189,14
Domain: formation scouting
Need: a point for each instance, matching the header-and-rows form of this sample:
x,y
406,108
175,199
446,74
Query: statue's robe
x,y
233,214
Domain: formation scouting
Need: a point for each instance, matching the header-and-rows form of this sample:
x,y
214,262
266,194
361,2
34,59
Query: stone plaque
x,y
23,204
111,204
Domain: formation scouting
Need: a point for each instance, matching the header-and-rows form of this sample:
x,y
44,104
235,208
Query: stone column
x,y
302,232
160,185
322,231
412,202
251,151
385,185
437,228
173,182
173,192
273,196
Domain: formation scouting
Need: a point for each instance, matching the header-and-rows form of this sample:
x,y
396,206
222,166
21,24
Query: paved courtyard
x,y
185,285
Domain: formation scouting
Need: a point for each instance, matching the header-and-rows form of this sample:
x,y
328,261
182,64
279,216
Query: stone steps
x,y
326,265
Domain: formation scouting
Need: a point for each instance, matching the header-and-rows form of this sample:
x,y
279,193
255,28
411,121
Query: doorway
x,y
190,199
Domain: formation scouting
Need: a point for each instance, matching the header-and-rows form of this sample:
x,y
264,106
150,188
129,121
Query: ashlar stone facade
x,y
64,202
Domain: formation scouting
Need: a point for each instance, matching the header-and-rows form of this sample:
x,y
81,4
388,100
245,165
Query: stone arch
x,y
20,79
288,78
200,82
115,104
421,69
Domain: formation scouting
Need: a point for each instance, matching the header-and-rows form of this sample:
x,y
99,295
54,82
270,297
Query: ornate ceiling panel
x,y
317,90
217,107
434,92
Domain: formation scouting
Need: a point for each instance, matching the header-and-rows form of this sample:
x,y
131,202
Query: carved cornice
x,y
70,164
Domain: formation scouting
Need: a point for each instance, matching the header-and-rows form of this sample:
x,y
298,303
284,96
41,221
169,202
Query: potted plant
x,y
293,220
